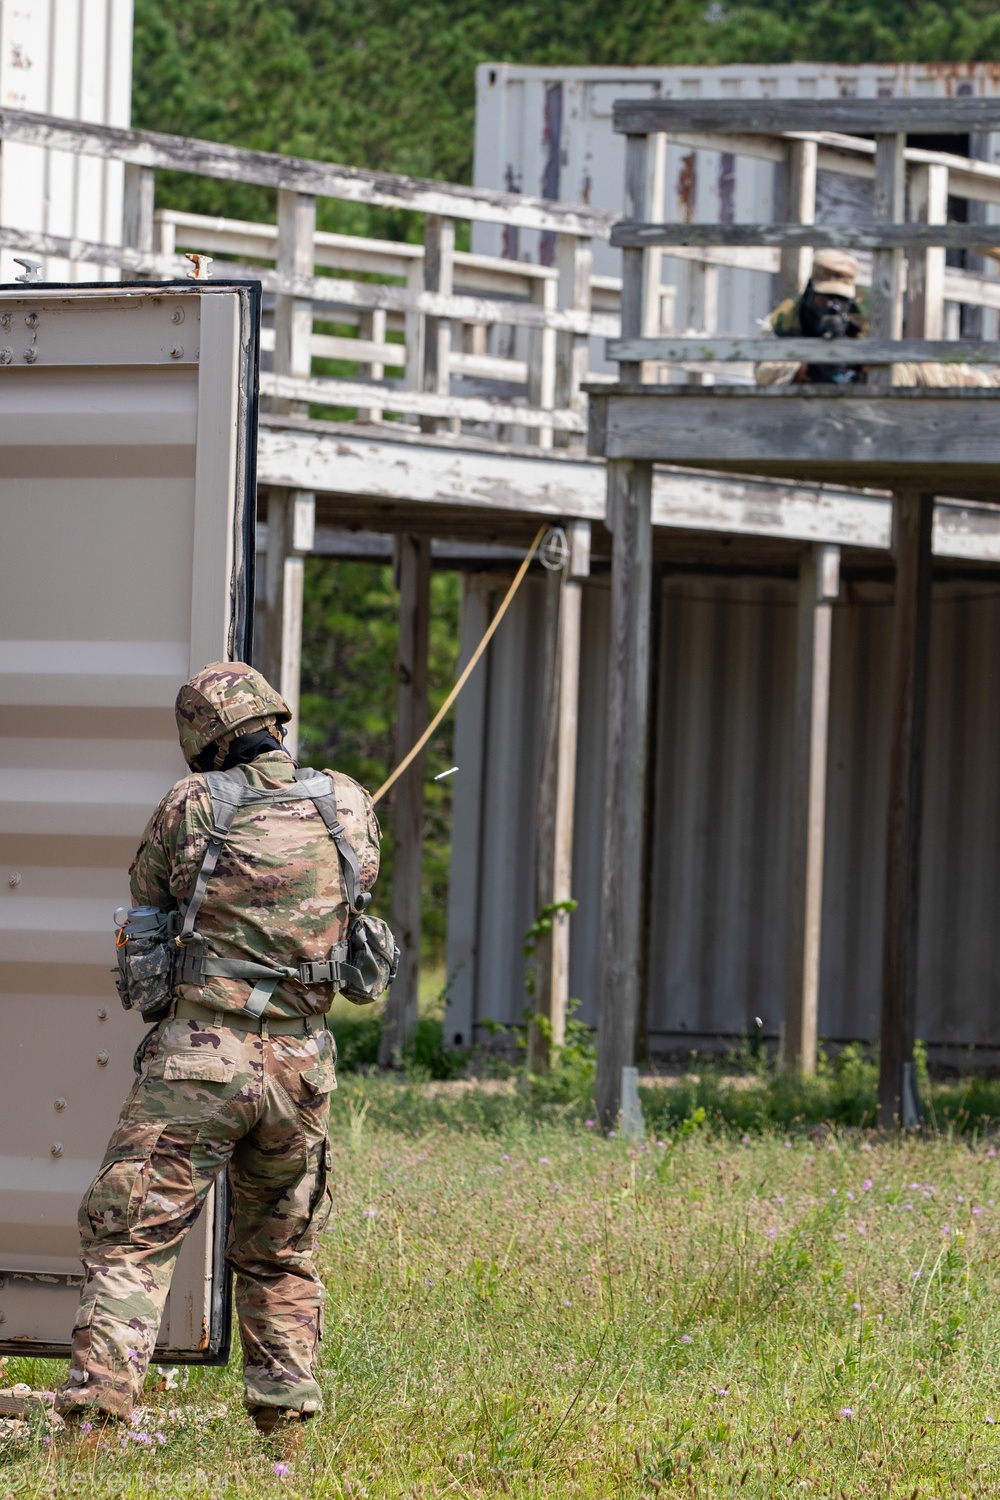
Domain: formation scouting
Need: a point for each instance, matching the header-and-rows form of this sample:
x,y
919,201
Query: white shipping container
x,y
549,131
71,58
127,512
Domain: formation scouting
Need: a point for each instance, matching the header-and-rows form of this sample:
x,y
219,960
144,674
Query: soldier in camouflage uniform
x,y
218,1089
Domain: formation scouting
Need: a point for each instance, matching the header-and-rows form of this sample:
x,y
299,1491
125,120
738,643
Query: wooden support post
x,y
542,360
800,208
619,969
291,514
654,208
137,213
557,791
819,584
887,265
925,279
575,259
372,325
629,519
913,515
439,276
413,568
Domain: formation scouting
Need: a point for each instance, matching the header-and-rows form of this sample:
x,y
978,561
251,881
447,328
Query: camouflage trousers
x,y
210,1098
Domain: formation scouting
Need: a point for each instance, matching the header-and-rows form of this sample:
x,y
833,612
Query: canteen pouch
x,y
145,951
372,960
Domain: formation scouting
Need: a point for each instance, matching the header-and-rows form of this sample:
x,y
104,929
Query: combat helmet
x,y
221,698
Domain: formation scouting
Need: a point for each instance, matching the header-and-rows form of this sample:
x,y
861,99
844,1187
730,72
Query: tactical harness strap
x,y
229,791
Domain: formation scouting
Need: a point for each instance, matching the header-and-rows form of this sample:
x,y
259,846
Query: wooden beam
x,y
137,211
800,208
850,434
925,268
819,583
894,234
620,959
887,264
147,148
634,259
431,407
413,569
912,518
292,512
863,351
439,277
557,791
945,116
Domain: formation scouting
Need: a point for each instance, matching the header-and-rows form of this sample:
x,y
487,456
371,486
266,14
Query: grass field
x,y
518,1306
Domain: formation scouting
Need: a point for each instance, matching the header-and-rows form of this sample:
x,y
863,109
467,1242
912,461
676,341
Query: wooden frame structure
x,y
917,442
461,418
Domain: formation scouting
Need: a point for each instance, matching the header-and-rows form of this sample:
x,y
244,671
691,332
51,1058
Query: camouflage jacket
x,y
277,894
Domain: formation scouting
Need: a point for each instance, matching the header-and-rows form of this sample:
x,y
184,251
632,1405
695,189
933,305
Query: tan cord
x,y
467,670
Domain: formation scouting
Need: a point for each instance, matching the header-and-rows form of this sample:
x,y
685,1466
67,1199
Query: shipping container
x,y
71,58
549,131
128,428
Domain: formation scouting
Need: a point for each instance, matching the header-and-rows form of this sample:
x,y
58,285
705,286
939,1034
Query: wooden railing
x,y
917,295
495,347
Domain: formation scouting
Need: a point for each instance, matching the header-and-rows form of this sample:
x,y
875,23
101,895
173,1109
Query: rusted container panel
x,y
548,131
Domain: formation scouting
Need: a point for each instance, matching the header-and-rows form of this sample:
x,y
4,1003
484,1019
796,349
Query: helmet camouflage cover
x,y
222,697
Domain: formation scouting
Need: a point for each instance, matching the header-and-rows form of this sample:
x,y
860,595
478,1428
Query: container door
x,y
127,446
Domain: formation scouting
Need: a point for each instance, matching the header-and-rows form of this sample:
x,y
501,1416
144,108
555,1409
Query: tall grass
x,y
521,1307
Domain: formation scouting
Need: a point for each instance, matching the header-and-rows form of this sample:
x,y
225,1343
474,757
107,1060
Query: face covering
x,y
824,316
240,751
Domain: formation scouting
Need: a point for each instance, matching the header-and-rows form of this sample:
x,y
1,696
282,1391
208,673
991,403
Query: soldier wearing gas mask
x,y
827,309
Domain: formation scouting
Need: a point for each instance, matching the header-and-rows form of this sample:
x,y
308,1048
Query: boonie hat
x,y
835,273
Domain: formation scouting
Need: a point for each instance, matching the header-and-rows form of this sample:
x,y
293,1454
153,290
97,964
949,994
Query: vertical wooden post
x,y
819,583
399,1024
542,360
913,516
137,213
291,514
575,259
654,210
629,519
800,208
439,276
887,265
619,969
557,791
372,325
925,279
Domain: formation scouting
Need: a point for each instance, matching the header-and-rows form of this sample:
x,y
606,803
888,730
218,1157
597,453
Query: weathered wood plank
x,y
868,351
887,264
620,959
413,570
950,116
634,258
330,392
431,472
147,148
926,268
785,426
439,272
912,520
800,208
819,581
137,209
635,235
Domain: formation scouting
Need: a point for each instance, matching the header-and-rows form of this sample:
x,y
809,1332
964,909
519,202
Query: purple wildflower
x,y
685,1338
866,1186
282,1470
589,1124
847,1411
370,1213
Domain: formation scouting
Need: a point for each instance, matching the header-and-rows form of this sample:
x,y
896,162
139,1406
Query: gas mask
x,y
824,316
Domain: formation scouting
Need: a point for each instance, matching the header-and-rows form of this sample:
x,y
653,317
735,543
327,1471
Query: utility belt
x,y
158,951
238,1020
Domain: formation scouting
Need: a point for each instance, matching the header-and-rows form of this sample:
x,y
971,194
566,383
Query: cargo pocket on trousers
x,y
321,1201
113,1206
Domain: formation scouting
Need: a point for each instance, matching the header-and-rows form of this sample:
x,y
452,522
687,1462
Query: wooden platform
x,y
943,441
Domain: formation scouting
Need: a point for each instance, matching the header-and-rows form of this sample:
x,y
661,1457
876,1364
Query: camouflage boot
x,y
283,1430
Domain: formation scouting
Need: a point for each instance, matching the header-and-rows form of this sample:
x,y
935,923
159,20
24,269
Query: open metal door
x,y
127,453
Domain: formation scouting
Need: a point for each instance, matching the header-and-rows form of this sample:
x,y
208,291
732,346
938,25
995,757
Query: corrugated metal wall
x,y
71,58
721,813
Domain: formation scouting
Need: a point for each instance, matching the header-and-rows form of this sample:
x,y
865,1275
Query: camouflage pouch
x,y
145,952
372,960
